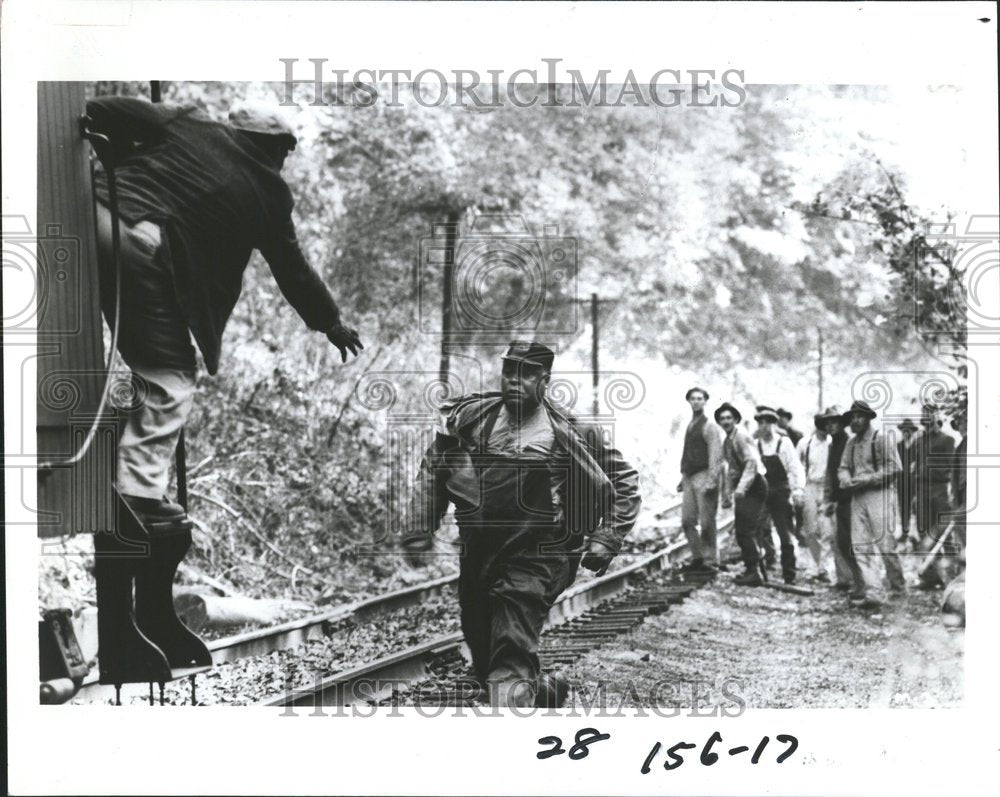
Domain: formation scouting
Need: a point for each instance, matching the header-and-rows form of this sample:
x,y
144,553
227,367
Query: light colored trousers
x,y
163,397
149,439
819,531
873,524
700,509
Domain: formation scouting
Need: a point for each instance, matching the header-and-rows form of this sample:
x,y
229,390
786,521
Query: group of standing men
x,y
835,493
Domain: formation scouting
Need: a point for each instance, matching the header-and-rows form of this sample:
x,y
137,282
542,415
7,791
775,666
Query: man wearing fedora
x,y
745,486
785,482
536,494
868,471
701,472
907,448
838,505
785,426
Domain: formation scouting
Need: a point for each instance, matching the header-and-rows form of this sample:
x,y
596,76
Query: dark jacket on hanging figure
x,y
217,197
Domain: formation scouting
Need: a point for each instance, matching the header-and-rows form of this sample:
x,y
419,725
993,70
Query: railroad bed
x,y
255,665
438,674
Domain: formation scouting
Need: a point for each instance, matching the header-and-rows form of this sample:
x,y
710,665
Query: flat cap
x,y
530,352
261,117
765,413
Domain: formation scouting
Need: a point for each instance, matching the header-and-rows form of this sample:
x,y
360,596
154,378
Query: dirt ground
x,y
727,648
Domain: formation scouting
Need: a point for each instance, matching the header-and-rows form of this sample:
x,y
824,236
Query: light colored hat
x,y
261,117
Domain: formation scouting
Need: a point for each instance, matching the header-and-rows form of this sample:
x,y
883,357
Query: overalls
x,y
514,564
777,508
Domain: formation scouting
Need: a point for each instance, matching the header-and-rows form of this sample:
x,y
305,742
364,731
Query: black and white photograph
x,y
518,420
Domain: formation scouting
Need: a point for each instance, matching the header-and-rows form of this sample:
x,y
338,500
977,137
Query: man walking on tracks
x,y
532,489
785,481
194,197
745,484
868,471
701,471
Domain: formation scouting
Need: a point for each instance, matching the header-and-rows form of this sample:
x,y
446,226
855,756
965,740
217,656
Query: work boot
x,y
865,602
790,578
748,579
694,566
552,690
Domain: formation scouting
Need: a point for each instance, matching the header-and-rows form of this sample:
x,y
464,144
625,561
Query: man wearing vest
x,y
838,504
868,471
746,484
785,480
817,521
701,470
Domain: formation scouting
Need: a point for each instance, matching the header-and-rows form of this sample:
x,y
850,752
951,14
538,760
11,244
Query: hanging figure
x,y
195,197
533,489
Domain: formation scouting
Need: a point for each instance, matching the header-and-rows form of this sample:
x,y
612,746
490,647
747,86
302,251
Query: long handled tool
x,y
928,562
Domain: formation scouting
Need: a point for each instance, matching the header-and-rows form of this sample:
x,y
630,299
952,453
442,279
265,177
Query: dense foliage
x,y
716,239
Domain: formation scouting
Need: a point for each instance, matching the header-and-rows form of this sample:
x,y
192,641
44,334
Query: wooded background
x,y
721,242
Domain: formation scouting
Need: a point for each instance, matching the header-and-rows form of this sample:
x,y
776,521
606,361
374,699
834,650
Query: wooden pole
x,y
594,349
448,278
820,369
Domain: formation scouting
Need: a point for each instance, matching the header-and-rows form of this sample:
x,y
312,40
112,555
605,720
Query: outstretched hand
x,y
597,557
345,339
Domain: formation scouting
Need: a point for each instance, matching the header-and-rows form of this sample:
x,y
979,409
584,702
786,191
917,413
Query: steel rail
x,y
295,633
375,680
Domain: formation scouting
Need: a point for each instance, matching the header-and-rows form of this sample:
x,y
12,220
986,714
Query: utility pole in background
x,y
448,277
594,349
820,369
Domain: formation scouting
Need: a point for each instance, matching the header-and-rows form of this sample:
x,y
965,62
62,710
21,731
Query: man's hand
x,y
345,339
829,508
680,486
415,549
727,502
798,499
598,557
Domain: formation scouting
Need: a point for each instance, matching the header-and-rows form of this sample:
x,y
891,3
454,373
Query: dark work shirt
x,y
217,197
934,457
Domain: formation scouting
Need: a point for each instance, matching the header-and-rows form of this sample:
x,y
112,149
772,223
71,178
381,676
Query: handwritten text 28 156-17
x,y
709,755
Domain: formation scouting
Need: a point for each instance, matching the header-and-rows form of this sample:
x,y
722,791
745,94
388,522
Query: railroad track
x,y
296,633
586,616
590,612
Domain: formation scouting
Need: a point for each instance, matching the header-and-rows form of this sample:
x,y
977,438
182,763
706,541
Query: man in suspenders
x,y
785,480
868,471
818,524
